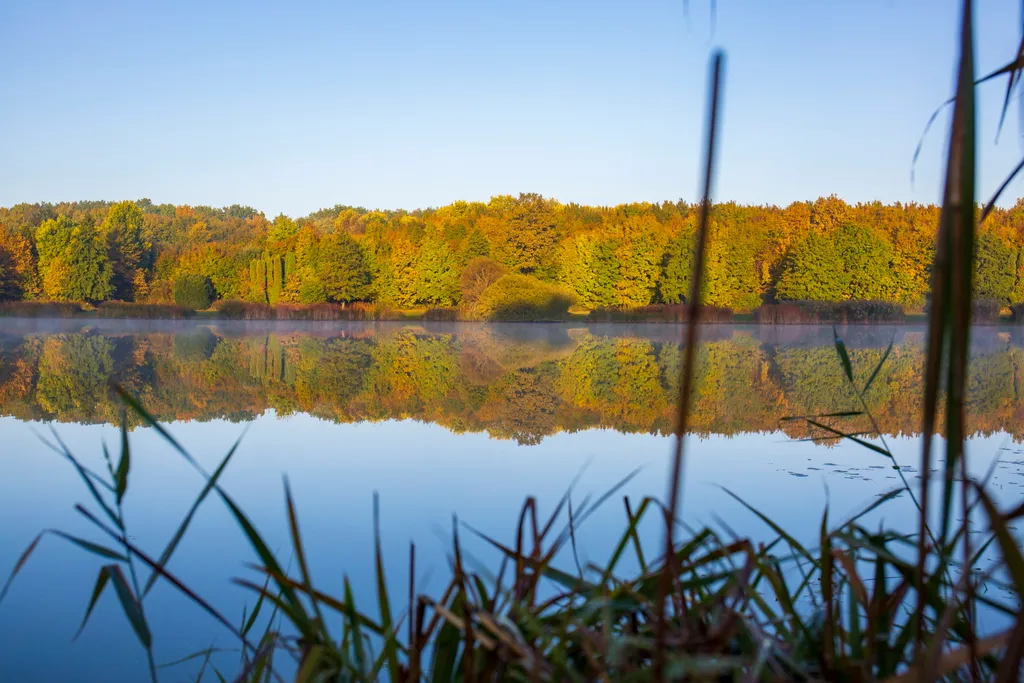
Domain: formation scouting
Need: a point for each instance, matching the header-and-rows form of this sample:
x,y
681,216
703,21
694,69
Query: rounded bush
x,y
194,291
521,297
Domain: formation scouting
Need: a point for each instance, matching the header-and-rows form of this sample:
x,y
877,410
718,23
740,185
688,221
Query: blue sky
x,y
394,103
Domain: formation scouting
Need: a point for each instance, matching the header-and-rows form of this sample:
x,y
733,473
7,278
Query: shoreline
x,y
741,319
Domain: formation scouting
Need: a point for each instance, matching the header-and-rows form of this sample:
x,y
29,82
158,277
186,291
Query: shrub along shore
x,y
540,305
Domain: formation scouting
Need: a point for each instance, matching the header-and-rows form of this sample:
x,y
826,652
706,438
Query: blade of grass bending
x,y
844,355
793,543
101,582
85,475
1015,75
995,197
165,573
851,437
92,475
625,539
881,362
843,413
211,483
332,602
689,362
307,579
134,404
356,631
881,500
130,605
302,622
390,652
1016,65
1012,557
248,624
124,464
19,564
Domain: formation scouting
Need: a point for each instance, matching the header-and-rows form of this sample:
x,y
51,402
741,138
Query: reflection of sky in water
x,y
424,473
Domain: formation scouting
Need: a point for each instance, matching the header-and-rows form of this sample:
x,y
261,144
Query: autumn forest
x,y
629,255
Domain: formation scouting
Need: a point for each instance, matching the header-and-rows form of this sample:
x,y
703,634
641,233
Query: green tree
x,y
813,271
677,269
282,229
476,245
995,268
342,269
437,267
124,233
73,263
194,291
590,268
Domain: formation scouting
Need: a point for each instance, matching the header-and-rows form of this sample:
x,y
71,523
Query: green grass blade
x,y
151,421
297,611
94,548
300,555
355,631
844,356
172,545
124,464
874,373
390,652
851,437
793,543
1008,545
101,582
19,564
130,605
446,648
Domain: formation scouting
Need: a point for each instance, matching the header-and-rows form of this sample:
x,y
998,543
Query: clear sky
x,y
293,106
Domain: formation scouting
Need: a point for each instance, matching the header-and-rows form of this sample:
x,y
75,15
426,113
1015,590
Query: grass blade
x,y
179,533
101,582
130,605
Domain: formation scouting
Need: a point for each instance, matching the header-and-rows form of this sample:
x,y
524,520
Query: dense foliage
x,y
624,256
194,291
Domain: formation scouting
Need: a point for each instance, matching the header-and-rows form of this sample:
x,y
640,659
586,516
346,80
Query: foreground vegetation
x,y
863,605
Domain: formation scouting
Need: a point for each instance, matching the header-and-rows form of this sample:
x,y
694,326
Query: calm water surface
x,y
438,419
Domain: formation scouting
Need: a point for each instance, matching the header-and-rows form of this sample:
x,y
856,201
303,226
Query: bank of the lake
x,y
781,313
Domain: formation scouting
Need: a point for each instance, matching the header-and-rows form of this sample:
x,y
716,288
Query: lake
x,y
438,419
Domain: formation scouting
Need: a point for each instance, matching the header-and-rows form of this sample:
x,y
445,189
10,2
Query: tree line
x,y
628,255
483,380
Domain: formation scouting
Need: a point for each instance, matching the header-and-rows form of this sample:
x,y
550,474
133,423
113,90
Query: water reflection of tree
x,y
516,383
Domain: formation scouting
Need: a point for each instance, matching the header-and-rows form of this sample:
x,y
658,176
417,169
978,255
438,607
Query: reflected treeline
x,y
521,382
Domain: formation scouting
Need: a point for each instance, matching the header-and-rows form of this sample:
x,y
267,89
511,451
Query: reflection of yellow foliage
x,y
483,379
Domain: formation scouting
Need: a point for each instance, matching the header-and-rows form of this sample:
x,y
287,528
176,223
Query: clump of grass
x,y
658,313
123,309
854,311
39,309
442,314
